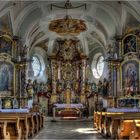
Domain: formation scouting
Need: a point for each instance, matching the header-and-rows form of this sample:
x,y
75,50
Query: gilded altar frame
x,y
6,57
123,45
129,57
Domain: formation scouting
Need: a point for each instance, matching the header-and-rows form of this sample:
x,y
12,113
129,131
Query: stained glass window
x,y
36,65
98,68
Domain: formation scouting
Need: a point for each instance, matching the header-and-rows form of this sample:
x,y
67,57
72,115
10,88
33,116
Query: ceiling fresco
x,y
6,24
103,20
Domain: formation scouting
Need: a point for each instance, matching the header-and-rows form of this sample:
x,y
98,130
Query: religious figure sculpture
x,y
105,87
68,96
15,103
100,87
35,86
94,87
29,88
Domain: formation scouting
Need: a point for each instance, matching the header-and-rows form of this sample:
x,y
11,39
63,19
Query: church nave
x,y
69,130
69,69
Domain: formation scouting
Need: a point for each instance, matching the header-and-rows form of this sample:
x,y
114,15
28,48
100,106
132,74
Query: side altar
x,y
120,119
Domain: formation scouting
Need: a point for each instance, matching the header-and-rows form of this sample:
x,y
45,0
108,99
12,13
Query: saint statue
x,y
100,87
35,86
105,87
29,88
15,103
68,96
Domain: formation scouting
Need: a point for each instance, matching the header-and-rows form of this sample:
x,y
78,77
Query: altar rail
x,y
118,125
20,125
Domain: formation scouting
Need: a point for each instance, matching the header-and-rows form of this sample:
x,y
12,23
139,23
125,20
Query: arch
x,y
26,11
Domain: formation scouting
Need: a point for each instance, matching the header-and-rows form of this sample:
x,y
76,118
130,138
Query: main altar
x,y
67,66
67,74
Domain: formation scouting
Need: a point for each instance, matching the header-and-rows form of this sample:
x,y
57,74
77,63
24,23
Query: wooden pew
x,y
126,124
111,123
135,133
121,124
98,120
31,126
25,125
116,125
11,128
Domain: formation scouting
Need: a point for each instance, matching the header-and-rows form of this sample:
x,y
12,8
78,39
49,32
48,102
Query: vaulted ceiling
x,y
104,19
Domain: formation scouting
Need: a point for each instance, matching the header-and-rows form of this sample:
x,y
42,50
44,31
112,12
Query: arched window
x,y
36,65
98,67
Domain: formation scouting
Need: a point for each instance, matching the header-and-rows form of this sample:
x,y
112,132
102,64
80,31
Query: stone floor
x,y
67,130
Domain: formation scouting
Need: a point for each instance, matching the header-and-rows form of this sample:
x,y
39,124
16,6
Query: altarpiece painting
x,y
6,78
129,44
130,77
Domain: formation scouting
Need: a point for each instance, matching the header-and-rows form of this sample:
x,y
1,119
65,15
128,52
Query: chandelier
x,y
67,25
68,5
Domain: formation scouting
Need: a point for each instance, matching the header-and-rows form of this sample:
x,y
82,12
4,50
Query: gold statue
x,y
68,96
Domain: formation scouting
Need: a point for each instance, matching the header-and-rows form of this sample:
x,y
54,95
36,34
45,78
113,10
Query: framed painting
x,y
129,44
130,77
128,102
6,78
7,103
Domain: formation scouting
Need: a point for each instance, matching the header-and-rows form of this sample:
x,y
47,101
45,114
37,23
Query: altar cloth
x,y
123,109
14,110
69,105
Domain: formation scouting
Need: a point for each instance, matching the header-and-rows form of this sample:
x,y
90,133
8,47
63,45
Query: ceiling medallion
x,y
67,26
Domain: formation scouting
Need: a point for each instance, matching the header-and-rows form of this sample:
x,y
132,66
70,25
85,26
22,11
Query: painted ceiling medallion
x,y
67,26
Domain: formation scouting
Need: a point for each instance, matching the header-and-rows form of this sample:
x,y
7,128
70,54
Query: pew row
x,y
118,125
19,126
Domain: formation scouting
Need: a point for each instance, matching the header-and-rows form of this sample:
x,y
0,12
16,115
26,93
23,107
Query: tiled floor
x,y
64,130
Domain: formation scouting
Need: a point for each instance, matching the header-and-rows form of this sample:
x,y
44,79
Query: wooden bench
x,y
11,128
117,124
135,133
20,125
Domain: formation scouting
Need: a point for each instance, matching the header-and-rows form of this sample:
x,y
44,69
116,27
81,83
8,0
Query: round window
x,y
36,65
98,67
